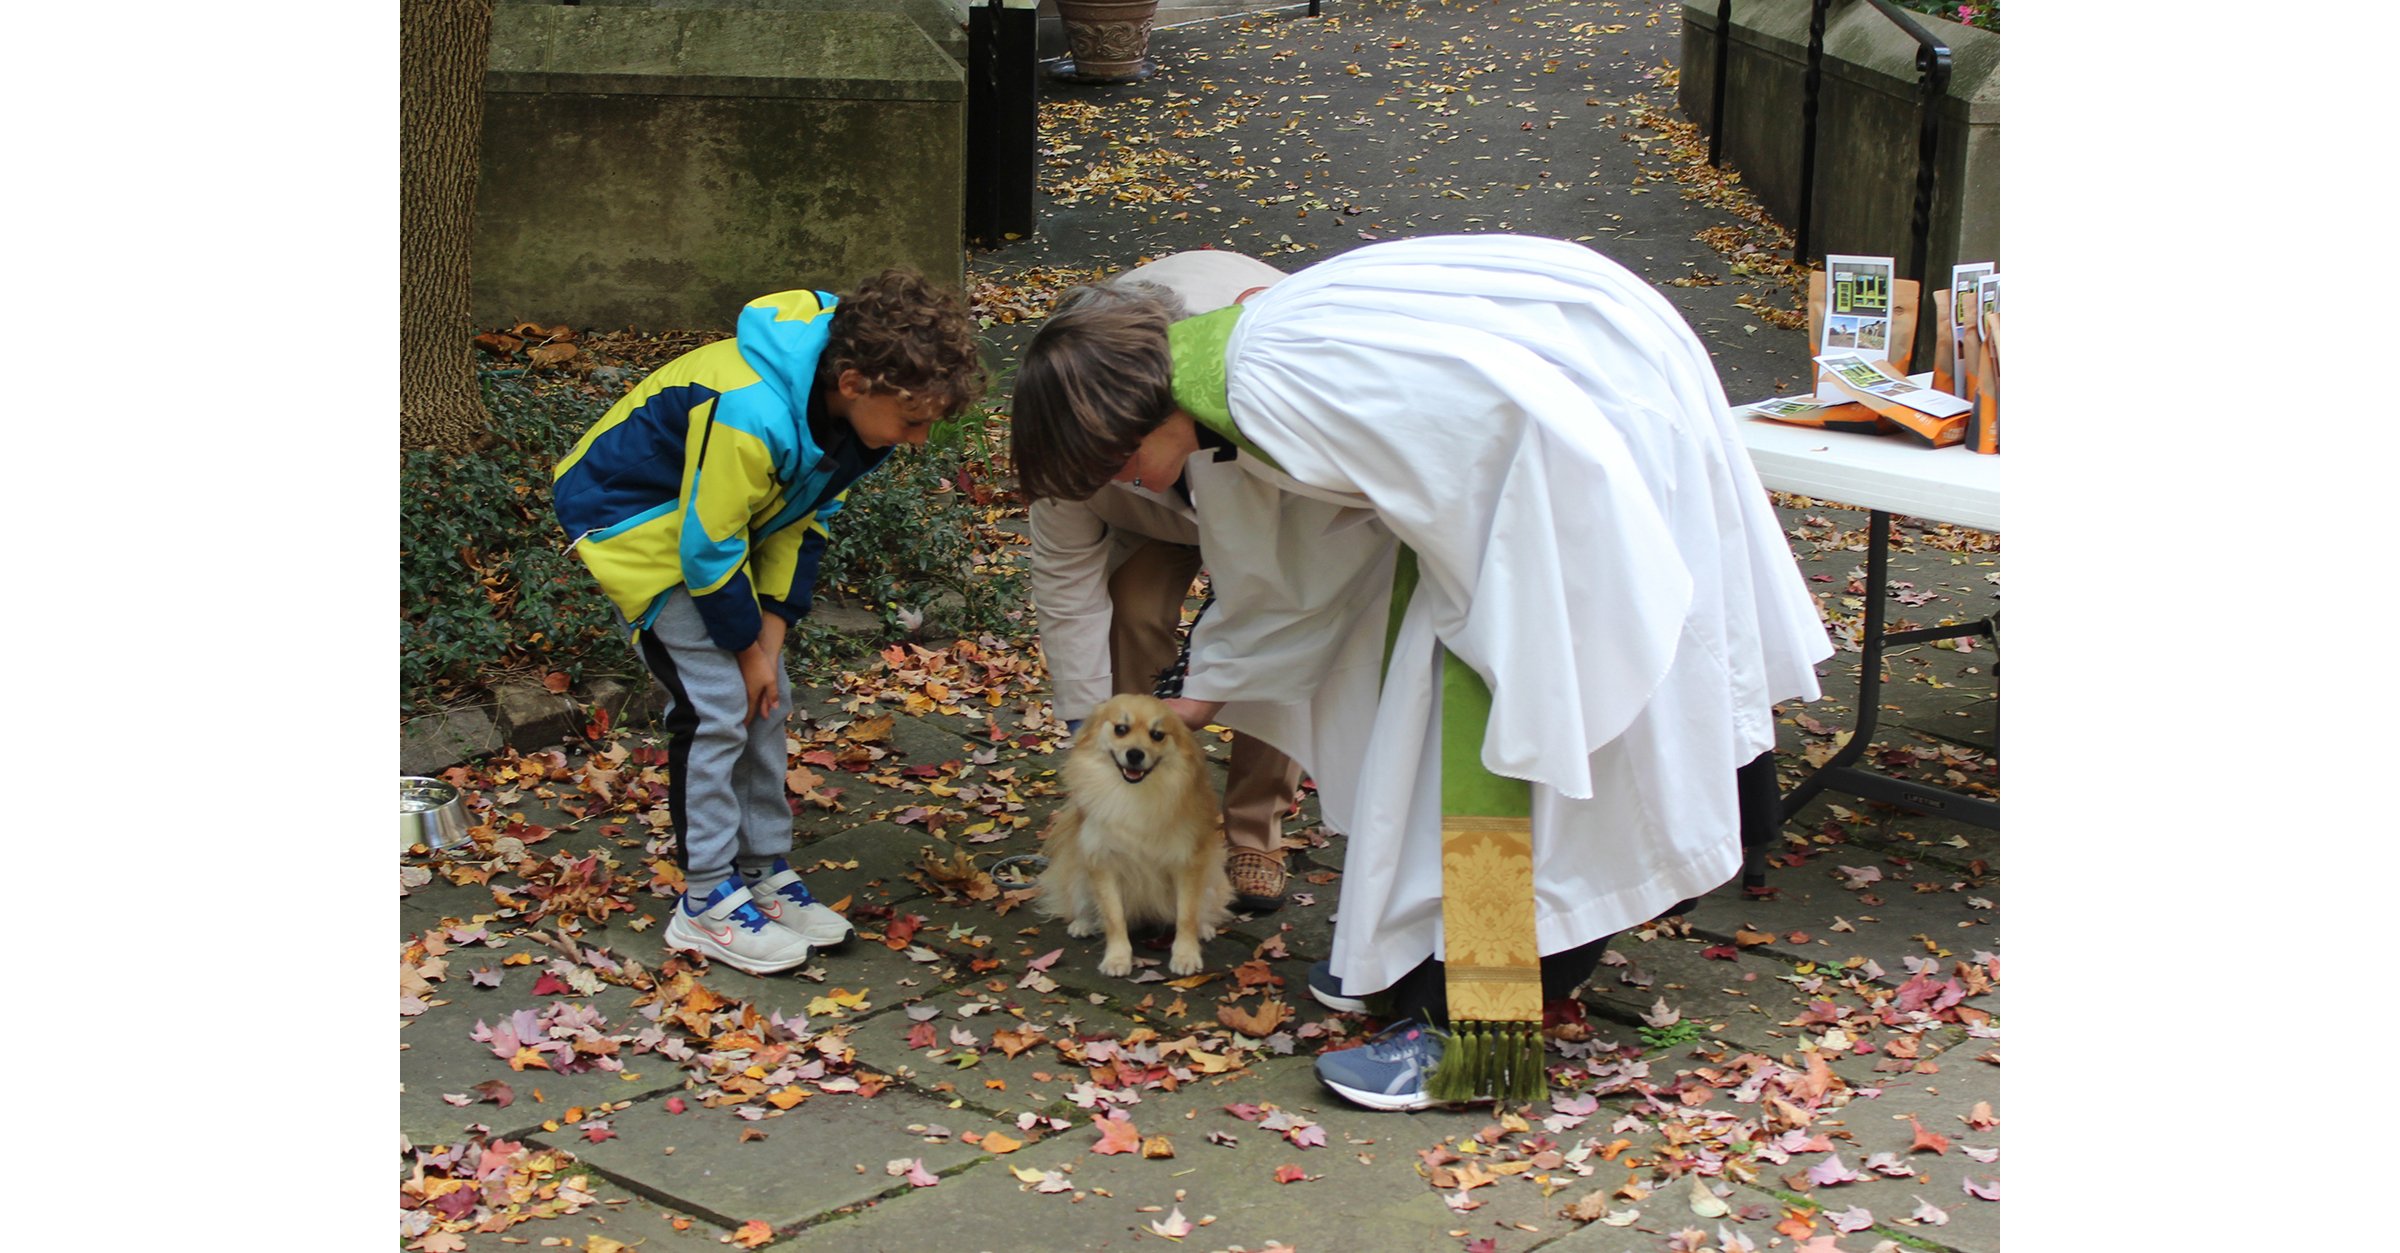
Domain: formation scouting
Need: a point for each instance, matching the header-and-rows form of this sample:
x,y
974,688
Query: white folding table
x,y
1885,475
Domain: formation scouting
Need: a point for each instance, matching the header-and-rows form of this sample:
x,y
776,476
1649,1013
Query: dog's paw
x,y
1184,959
1083,928
1118,963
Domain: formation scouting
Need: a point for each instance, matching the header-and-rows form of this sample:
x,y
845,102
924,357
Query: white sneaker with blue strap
x,y
785,900
728,928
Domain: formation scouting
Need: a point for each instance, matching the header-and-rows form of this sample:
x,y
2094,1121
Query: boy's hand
x,y
759,663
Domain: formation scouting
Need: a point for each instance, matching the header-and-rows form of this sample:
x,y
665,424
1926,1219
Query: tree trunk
x,y
445,46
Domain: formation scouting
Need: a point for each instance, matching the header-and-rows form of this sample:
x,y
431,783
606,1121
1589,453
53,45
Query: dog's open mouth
x,y
1133,774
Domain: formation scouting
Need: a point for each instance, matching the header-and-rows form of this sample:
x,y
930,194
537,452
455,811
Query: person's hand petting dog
x,y
1195,713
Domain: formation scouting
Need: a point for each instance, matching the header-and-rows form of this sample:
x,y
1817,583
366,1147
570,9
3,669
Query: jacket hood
x,y
781,336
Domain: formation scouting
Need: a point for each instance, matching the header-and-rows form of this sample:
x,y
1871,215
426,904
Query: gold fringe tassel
x,y
1499,1060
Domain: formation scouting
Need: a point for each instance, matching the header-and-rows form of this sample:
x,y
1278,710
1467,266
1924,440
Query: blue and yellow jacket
x,y
709,476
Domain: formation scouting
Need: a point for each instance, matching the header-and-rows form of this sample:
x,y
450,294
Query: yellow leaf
x,y
1270,1014
999,1142
785,1098
1209,1063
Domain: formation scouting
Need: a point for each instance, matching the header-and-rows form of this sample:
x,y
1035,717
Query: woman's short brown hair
x,y
1094,382
907,335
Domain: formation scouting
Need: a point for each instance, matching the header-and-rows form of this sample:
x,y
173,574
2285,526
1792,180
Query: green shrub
x,y
489,593
1982,14
906,543
487,589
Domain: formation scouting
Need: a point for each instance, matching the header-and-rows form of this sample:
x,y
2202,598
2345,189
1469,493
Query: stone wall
x,y
943,21
1867,122
658,168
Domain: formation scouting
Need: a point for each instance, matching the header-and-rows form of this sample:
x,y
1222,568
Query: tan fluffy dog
x,y
1137,842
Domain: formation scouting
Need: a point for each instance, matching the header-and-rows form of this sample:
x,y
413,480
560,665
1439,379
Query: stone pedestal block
x,y
943,21
658,168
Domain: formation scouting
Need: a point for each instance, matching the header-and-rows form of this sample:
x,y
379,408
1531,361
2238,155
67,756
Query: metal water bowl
x,y
431,813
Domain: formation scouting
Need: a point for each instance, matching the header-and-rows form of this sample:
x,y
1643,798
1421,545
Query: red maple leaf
x,y
1117,1134
457,1203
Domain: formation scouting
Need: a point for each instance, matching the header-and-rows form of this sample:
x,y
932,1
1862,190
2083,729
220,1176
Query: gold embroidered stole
x,y
1492,974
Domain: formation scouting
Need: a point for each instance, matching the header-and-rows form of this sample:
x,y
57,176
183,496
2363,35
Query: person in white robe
x,y
1549,438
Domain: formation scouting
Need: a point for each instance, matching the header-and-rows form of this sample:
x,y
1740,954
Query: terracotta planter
x,y
1109,39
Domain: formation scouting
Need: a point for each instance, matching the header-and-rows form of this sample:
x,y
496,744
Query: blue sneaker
x,y
1389,1070
1328,990
728,928
783,898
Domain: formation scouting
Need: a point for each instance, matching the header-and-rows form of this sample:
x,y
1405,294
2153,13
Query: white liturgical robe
x,y
1550,438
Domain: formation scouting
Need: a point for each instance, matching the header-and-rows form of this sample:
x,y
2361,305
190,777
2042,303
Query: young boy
x,y
699,502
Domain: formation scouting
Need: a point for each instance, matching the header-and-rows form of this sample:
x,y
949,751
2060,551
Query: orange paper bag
x,y
1983,425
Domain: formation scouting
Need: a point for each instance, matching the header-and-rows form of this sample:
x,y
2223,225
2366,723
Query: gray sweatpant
x,y
724,779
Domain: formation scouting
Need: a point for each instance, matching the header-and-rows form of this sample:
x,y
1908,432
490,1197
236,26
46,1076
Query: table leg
x,y
1840,771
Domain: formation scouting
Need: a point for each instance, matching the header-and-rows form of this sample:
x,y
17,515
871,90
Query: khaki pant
x,y
1148,592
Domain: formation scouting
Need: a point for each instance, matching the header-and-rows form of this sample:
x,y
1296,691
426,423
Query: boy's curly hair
x,y
907,335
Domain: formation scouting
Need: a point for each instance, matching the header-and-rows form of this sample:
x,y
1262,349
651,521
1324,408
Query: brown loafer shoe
x,y
1258,880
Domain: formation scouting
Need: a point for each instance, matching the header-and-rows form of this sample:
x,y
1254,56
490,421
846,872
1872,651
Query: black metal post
x,y
1808,127
1003,91
1716,114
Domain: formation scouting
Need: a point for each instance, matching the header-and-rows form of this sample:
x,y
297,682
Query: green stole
x,y
1493,974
